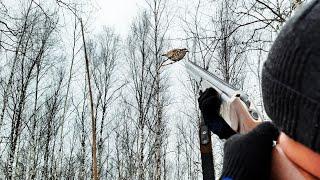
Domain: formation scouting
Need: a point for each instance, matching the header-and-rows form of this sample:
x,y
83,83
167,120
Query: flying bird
x,y
176,54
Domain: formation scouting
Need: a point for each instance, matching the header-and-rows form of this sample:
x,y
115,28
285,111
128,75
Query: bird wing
x,y
171,53
178,55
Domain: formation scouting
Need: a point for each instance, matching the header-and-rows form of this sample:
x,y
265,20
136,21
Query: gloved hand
x,y
249,156
209,104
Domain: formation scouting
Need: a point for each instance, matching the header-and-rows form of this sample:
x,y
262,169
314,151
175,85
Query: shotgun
x,y
238,111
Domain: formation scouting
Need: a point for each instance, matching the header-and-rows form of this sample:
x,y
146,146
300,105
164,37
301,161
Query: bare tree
x,y
81,111
145,46
231,49
93,119
65,107
104,51
32,43
159,25
52,107
142,84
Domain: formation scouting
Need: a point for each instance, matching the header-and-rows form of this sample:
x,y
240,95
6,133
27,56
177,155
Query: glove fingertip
x,y
267,129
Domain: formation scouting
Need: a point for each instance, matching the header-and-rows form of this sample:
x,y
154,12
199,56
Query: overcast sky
x,y
117,13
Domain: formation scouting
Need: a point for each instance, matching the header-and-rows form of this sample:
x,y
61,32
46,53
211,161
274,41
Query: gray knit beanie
x,y
291,78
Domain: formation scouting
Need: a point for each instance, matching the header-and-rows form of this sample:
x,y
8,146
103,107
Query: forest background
x,y
82,95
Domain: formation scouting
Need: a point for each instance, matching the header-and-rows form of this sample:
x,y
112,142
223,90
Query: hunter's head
x,y
291,78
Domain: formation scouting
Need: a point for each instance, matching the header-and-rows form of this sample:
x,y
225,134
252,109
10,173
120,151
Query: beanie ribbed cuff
x,y
291,110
